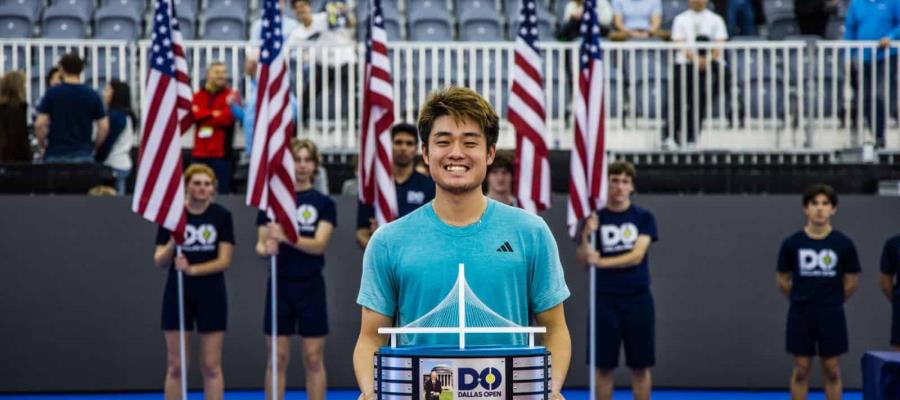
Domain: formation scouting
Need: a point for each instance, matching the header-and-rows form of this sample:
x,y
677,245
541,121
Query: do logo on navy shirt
x,y
200,238
618,237
820,263
307,216
415,197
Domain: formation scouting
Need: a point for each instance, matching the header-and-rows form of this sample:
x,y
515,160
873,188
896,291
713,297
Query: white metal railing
x,y
761,95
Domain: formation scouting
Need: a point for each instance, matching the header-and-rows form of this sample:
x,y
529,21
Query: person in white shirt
x,y
332,52
694,65
116,149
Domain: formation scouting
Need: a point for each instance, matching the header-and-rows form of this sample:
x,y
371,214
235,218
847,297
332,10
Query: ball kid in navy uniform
x,y
890,266
205,255
413,188
818,269
625,313
301,306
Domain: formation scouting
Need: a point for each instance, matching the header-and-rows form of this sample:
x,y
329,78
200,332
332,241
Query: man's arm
x,y
41,128
362,237
627,260
886,282
367,344
102,131
315,245
558,343
783,280
219,264
851,283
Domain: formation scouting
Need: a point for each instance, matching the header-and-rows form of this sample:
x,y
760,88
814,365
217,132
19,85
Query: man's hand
x,y
639,34
182,264
593,223
557,396
366,396
373,224
884,42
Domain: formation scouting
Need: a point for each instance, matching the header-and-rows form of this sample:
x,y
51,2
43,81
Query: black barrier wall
x,y
80,297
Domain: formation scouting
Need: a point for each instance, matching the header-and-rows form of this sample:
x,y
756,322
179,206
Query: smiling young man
x,y
818,269
512,262
625,314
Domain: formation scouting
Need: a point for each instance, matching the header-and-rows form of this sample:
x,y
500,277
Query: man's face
x,y
217,76
303,12
620,188
304,165
819,210
56,78
200,187
500,180
433,376
404,149
457,155
697,5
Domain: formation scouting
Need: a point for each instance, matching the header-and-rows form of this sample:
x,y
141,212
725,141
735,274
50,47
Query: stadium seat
x,y
671,8
115,63
188,27
782,27
546,23
16,21
186,7
117,22
137,5
426,7
430,24
778,9
241,5
85,5
34,6
64,22
480,24
766,99
225,23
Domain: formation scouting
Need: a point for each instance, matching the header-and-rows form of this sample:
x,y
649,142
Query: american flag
x,y
587,170
376,176
270,185
526,113
159,186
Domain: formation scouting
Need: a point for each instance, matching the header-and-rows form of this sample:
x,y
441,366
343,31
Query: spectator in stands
x,y
214,131
873,20
288,24
694,66
570,28
812,15
741,18
636,19
54,77
63,125
499,179
115,152
413,188
333,30
13,119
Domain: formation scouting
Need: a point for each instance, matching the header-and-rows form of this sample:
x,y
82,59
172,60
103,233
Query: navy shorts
x,y
629,320
205,304
816,329
301,307
895,322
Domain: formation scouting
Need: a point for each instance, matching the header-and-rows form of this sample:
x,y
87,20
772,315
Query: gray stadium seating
x,y
242,5
782,27
480,24
117,22
86,5
34,6
138,5
431,24
225,23
16,21
64,22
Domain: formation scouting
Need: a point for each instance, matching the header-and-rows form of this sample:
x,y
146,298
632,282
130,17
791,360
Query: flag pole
x,y
592,377
273,269
181,344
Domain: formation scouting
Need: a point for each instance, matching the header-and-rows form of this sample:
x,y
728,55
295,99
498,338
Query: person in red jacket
x,y
214,125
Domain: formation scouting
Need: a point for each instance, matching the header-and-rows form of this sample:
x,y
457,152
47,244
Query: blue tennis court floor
x,y
346,394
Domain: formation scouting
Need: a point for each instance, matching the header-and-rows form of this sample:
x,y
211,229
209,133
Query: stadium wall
x,y
80,297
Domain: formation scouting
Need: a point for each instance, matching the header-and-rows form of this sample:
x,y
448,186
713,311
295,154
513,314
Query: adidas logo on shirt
x,y
505,248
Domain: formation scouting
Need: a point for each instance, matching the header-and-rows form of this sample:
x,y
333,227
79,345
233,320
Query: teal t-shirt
x,y
511,265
